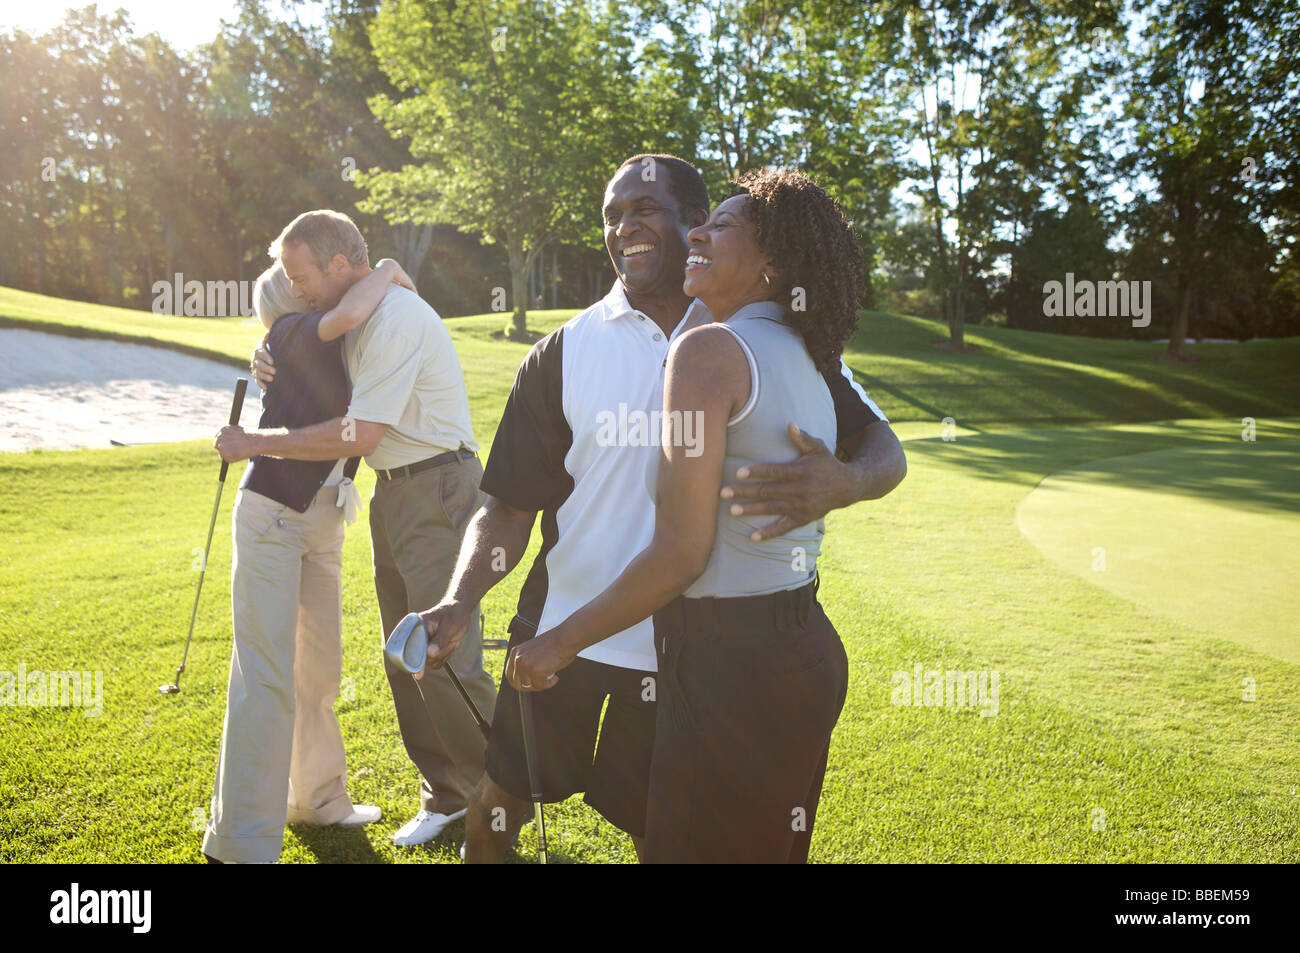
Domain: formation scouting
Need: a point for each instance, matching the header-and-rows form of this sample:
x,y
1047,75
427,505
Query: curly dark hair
x,y
803,230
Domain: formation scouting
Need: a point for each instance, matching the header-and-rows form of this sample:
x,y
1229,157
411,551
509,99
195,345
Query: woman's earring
x,y
767,279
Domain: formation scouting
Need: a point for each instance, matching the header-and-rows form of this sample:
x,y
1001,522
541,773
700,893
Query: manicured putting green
x,y
1208,536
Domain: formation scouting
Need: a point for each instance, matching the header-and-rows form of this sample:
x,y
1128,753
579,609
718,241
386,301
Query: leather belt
x,y
427,464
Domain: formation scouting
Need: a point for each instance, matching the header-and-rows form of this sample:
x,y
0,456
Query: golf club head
x,y
408,644
169,689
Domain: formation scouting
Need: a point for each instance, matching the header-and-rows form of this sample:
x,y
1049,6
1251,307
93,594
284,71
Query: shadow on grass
x,y
875,386
1231,470
1245,478
337,845
1026,377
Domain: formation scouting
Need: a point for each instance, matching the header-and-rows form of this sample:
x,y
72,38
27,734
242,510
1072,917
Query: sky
x,y
183,23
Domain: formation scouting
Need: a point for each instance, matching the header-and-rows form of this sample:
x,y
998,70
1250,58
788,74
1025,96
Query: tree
x,y
34,149
515,111
793,83
1211,99
969,66
1057,242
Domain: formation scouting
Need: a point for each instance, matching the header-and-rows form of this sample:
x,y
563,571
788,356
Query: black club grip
x,y
236,406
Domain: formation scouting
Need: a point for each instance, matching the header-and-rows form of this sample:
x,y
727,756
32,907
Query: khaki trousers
x,y
416,525
282,754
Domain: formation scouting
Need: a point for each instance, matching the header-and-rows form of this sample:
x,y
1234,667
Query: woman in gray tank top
x,y
752,675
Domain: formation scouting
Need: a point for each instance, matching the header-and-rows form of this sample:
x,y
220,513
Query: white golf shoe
x,y
424,827
362,814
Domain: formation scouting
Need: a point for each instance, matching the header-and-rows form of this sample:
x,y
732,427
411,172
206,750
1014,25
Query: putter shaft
x,y
534,773
236,406
540,818
203,569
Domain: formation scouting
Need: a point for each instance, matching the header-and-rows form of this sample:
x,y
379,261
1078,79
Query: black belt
x,y
791,606
428,464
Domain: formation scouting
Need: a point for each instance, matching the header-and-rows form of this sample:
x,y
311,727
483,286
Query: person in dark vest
x,y
282,758
409,418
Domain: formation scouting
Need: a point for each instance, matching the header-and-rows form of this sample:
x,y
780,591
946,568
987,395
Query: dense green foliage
x,y
981,149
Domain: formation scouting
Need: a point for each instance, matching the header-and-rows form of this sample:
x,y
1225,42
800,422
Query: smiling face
x,y
724,267
320,289
644,232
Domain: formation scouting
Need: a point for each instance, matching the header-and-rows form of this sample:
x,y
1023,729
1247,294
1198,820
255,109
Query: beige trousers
x,y
282,754
416,525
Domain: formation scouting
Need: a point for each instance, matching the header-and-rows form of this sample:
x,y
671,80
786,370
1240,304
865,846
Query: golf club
x,y
490,643
241,385
407,647
534,775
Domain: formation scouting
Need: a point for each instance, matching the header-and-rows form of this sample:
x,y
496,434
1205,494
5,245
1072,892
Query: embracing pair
x,y
676,586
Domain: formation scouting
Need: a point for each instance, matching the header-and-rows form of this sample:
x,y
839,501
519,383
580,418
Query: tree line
x,y
982,149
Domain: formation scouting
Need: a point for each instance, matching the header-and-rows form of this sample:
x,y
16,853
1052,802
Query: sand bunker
x,y
60,393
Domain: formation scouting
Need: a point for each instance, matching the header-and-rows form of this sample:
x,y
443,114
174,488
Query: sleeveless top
x,y
784,387
310,386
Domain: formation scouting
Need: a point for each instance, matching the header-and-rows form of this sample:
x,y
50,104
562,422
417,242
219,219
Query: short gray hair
x,y
326,233
273,296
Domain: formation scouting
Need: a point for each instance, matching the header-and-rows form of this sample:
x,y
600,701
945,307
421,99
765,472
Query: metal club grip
x,y
241,386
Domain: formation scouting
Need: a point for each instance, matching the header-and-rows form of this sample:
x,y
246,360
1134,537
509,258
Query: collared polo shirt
x,y
574,443
406,373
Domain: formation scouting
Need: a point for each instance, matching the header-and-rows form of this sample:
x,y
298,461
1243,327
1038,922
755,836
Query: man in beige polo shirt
x,y
409,418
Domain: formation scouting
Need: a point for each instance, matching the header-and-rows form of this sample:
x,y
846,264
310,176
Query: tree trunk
x,y
40,258
957,312
169,256
412,242
519,264
41,235
956,321
1178,332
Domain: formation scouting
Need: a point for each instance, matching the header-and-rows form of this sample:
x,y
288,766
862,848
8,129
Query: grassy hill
x,y
1018,377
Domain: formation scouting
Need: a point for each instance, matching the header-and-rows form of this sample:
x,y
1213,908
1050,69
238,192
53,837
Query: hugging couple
x,y
675,590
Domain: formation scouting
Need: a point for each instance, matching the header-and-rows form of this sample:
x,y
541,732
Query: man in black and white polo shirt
x,y
574,443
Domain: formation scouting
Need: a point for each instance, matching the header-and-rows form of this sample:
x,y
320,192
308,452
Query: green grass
x,y
1109,707
1104,704
229,339
1018,378
1025,378
1207,534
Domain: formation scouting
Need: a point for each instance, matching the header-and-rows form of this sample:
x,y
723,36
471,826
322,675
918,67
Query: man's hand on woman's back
x,y
262,366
